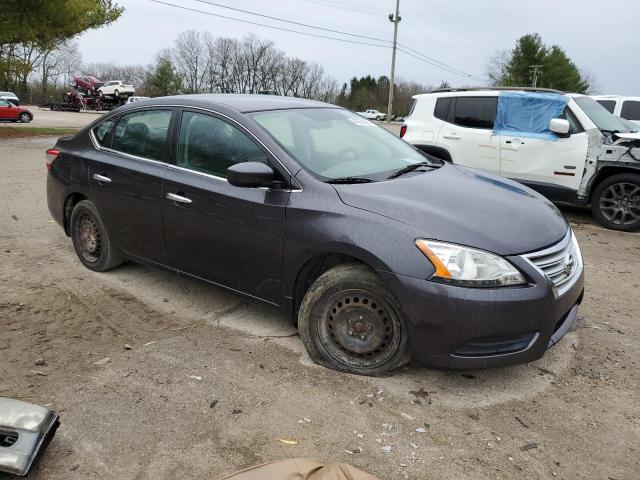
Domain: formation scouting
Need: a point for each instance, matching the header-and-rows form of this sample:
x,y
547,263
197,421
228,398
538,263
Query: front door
x,y
467,133
228,235
7,110
553,167
125,174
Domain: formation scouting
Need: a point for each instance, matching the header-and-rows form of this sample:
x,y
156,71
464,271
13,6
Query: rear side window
x,y
143,134
608,104
475,112
442,108
210,145
101,132
630,110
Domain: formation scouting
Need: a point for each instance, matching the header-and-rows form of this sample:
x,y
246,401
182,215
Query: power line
x,y
428,60
269,26
463,74
300,24
346,8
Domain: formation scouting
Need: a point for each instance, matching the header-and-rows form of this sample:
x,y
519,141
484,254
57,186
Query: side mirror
x,y
250,175
559,126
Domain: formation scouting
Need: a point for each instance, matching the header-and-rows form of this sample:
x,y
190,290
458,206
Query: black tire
x,y
116,93
349,321
615,202
91,240
25,117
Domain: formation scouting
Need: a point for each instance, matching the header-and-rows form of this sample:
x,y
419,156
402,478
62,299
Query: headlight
x,y
468,267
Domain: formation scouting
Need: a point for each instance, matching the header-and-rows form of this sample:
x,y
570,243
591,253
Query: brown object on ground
x,y
301,469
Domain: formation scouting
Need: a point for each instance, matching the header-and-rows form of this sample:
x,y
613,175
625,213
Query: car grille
x,y
560,263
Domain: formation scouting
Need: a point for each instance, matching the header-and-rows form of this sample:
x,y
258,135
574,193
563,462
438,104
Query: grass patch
x,y
22,132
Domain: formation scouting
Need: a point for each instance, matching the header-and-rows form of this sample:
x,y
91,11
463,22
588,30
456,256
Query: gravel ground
x,y
46,118
158,377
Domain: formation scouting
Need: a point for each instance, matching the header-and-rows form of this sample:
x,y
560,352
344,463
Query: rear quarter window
x,y
630,110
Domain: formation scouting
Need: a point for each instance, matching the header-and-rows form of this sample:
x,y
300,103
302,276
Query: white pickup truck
x,y
372,114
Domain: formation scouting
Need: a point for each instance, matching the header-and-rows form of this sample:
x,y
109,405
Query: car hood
x,y
464,206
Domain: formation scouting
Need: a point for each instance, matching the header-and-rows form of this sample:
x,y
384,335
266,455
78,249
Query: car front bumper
x,y
473,328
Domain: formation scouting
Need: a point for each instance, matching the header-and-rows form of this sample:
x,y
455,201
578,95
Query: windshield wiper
x,y
350,180
410,168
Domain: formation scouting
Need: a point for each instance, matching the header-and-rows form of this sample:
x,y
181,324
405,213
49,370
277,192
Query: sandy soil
x,y
160,377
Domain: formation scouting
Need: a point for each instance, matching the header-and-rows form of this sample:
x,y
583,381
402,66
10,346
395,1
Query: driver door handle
x,y
451,136
178,198
101,178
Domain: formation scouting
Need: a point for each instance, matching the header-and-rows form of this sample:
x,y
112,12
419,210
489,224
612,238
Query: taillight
x,y
403,130
50,156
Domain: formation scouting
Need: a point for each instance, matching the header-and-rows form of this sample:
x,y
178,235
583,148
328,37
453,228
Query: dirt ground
x,y
159,377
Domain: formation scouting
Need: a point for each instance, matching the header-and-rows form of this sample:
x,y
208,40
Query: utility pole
x,y
395,19
535,69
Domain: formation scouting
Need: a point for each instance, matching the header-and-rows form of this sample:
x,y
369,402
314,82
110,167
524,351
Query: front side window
x,y
210,145
608,104
335,143
101,132
475,112
630,110
143,134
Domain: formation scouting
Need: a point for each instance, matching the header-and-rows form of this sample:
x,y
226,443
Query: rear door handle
x,y
451,136
101,178
178,198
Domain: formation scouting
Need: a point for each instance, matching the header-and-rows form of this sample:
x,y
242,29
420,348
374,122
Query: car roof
x,y
245,102
9,94
484,92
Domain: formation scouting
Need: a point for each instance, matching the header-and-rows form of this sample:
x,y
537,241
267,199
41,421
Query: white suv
x,y
624,107
116,88
565,146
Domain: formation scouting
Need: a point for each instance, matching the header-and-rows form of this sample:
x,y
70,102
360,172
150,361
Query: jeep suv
x,y
624,107
566,146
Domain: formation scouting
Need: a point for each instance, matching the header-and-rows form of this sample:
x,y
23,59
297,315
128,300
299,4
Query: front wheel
x,y
615,202
116,93
349,321
90,238
25,117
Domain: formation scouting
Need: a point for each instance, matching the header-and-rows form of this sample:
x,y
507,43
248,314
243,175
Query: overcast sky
x,y
462,34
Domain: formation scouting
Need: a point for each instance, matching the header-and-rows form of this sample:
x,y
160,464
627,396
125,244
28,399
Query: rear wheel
x,y
349,321
91,240
615,202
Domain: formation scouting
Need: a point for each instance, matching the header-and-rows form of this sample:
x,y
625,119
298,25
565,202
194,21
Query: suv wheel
x,y
116,93
616,202
25,117
349,321
91,240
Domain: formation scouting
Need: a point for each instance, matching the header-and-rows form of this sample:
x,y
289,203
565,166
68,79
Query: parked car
x,y
116,88
624,107
565,146
136,99
372,114
10,97
379,253
8,111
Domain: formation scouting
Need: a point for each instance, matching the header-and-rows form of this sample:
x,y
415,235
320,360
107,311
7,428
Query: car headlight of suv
x,y
468,267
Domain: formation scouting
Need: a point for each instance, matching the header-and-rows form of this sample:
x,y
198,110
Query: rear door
x,y
125,174
552,167
467,133
228,235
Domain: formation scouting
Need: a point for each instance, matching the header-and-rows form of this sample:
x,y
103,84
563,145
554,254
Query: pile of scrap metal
x,y
25,431
301,469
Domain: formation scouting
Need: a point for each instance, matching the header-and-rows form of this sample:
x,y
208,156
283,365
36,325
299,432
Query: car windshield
x,y
599,115
335,144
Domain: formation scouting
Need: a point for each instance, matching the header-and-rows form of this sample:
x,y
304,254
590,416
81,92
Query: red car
x,y
8,111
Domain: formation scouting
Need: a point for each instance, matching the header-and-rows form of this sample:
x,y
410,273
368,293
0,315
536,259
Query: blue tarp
x,y
527,114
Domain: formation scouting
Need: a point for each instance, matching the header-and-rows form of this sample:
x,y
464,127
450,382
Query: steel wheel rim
x,y
88,238
620,203
359,329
